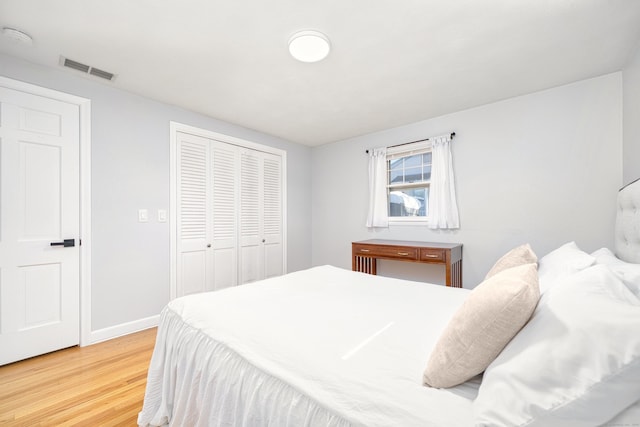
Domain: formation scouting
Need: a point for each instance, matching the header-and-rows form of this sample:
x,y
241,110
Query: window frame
x,y
401,151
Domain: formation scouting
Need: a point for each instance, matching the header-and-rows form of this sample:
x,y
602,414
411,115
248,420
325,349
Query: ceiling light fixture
x,y
309,46
17,35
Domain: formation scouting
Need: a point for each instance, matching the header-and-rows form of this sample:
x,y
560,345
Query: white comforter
x,y
320,347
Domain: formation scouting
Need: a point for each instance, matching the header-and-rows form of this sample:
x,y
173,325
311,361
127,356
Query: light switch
x,y
162,215
143,215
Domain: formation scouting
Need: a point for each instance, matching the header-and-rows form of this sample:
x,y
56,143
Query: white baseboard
x,y
122,329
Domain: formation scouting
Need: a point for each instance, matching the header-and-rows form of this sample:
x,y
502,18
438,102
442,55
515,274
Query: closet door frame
x,y
174,129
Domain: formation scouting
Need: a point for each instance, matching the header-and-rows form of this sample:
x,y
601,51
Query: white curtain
x,y
443,209
378,205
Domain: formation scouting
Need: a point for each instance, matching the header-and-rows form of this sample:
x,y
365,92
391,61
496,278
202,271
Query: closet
x,y
228,207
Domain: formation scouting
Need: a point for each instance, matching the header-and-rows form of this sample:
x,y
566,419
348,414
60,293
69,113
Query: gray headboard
x,y
627,237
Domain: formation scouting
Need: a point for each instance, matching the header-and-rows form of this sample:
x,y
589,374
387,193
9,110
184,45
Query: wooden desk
x,y
366,253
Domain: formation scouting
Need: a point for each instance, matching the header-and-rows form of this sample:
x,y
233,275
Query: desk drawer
x,y
432,255
399,252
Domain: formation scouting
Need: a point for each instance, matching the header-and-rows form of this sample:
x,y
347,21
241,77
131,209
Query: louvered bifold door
x,y
193,215
251,268
272,215
224,170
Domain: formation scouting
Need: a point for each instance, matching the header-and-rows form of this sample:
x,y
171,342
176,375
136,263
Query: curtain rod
x,y
411,142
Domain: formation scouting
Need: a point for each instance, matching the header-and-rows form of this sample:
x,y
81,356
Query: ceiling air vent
x,y
76,65
101,73
87,69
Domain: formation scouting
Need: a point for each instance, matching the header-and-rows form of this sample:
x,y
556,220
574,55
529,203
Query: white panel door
x,y
225,160
39,205
260,216
273,251
229,202
193,265
251,267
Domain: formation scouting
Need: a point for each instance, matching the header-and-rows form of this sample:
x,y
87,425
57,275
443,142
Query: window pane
x,y
409,202
427,172
397,163
395,176
410,169
412,161
413,174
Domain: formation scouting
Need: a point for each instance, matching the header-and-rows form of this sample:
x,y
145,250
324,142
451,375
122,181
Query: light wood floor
x,y
99,385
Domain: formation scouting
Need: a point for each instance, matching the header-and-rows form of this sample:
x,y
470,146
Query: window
x,y
403,178
408,181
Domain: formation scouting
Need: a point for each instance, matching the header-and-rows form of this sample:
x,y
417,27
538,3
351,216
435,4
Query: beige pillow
x,y
523,254
492,314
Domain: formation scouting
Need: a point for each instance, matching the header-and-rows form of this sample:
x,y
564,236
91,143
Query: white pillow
x,y
520,255
627,272
492,314
562,262
576,363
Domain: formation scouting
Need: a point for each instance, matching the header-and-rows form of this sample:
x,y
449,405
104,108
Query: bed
x,y
332,347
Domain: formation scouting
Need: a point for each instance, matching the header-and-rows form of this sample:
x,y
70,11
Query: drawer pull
x,y
431,256
364,250
403,253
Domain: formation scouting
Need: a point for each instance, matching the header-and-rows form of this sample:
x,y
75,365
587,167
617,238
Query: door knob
x,y
66,243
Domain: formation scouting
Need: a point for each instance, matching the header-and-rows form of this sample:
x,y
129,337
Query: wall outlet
x,y
143,215
162,215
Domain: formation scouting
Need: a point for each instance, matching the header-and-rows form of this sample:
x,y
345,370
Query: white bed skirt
x,y
219,387
321,347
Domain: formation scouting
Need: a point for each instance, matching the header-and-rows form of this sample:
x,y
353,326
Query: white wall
x,y
631,106
130,170
542,168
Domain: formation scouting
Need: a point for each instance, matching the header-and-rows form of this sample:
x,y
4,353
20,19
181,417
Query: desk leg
x,y
364,264
456,274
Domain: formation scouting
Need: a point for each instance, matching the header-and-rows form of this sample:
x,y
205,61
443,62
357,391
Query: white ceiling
x,y
392,62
